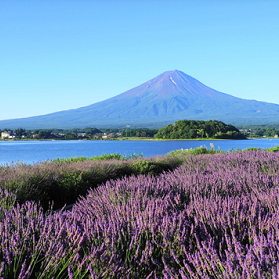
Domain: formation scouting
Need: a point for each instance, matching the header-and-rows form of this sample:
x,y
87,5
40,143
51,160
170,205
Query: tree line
x,y
261,130
86,133
183,129
191,129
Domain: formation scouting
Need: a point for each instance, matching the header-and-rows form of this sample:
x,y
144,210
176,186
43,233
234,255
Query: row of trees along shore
x,y
72,134
183,129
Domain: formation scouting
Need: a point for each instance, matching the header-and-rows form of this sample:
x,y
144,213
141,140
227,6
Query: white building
x,y
7,135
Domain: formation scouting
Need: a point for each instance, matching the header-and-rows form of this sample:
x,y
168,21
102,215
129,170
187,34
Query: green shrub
x,y
103,157
273,149
194,151
155,165
145,167
201,150
251,149
179,152
70,160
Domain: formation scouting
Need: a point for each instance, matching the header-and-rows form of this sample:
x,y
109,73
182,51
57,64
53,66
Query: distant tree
x,y
259,132
92,131
70,136
20,132
44,134
270,132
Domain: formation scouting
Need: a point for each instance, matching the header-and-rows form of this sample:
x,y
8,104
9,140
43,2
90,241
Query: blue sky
x,y
58,55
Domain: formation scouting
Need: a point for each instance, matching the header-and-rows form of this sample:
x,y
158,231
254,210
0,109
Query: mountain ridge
x,y
168,97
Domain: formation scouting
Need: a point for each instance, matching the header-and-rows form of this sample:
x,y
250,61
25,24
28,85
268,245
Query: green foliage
x,y
251,149
179,152
44,134
273,149
103,157
202,150
190,129
139,132
71,159
155,166
70,136
116,156
145,167
267,132
20,132
92,131
85,133
260,130
193,151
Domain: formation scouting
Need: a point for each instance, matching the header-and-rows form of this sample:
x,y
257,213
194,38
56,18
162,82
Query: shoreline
x,y
126,139
132,139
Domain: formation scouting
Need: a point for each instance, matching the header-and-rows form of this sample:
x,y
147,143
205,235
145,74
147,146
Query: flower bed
x,y
214,217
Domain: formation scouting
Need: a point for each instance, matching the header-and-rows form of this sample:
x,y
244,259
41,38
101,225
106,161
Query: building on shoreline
x,y
8,135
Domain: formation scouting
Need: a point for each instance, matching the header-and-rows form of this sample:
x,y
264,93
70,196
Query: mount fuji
x,y
171,96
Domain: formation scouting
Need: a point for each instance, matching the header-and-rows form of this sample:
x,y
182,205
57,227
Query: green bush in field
x,y
194,151
103,157
145,167
252,149
273,149
203,150
155,165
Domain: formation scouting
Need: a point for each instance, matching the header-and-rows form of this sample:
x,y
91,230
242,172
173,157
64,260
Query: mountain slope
x,y
169,97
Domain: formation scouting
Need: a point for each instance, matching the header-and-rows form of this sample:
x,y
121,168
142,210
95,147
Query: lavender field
x,y
216,216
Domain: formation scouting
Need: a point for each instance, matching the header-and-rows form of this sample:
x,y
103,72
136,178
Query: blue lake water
x,y
36,151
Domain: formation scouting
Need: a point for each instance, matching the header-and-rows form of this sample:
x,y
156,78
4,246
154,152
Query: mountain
x,y
169,97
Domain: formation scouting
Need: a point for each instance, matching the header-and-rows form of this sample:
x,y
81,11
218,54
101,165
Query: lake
x,y
36,151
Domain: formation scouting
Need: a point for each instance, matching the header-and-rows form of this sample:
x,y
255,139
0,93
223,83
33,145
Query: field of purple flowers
x,y
216,216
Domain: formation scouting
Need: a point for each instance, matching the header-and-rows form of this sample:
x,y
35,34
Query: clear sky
x,y
64,54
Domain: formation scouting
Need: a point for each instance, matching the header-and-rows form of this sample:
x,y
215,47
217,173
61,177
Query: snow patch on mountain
x,y
173,81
